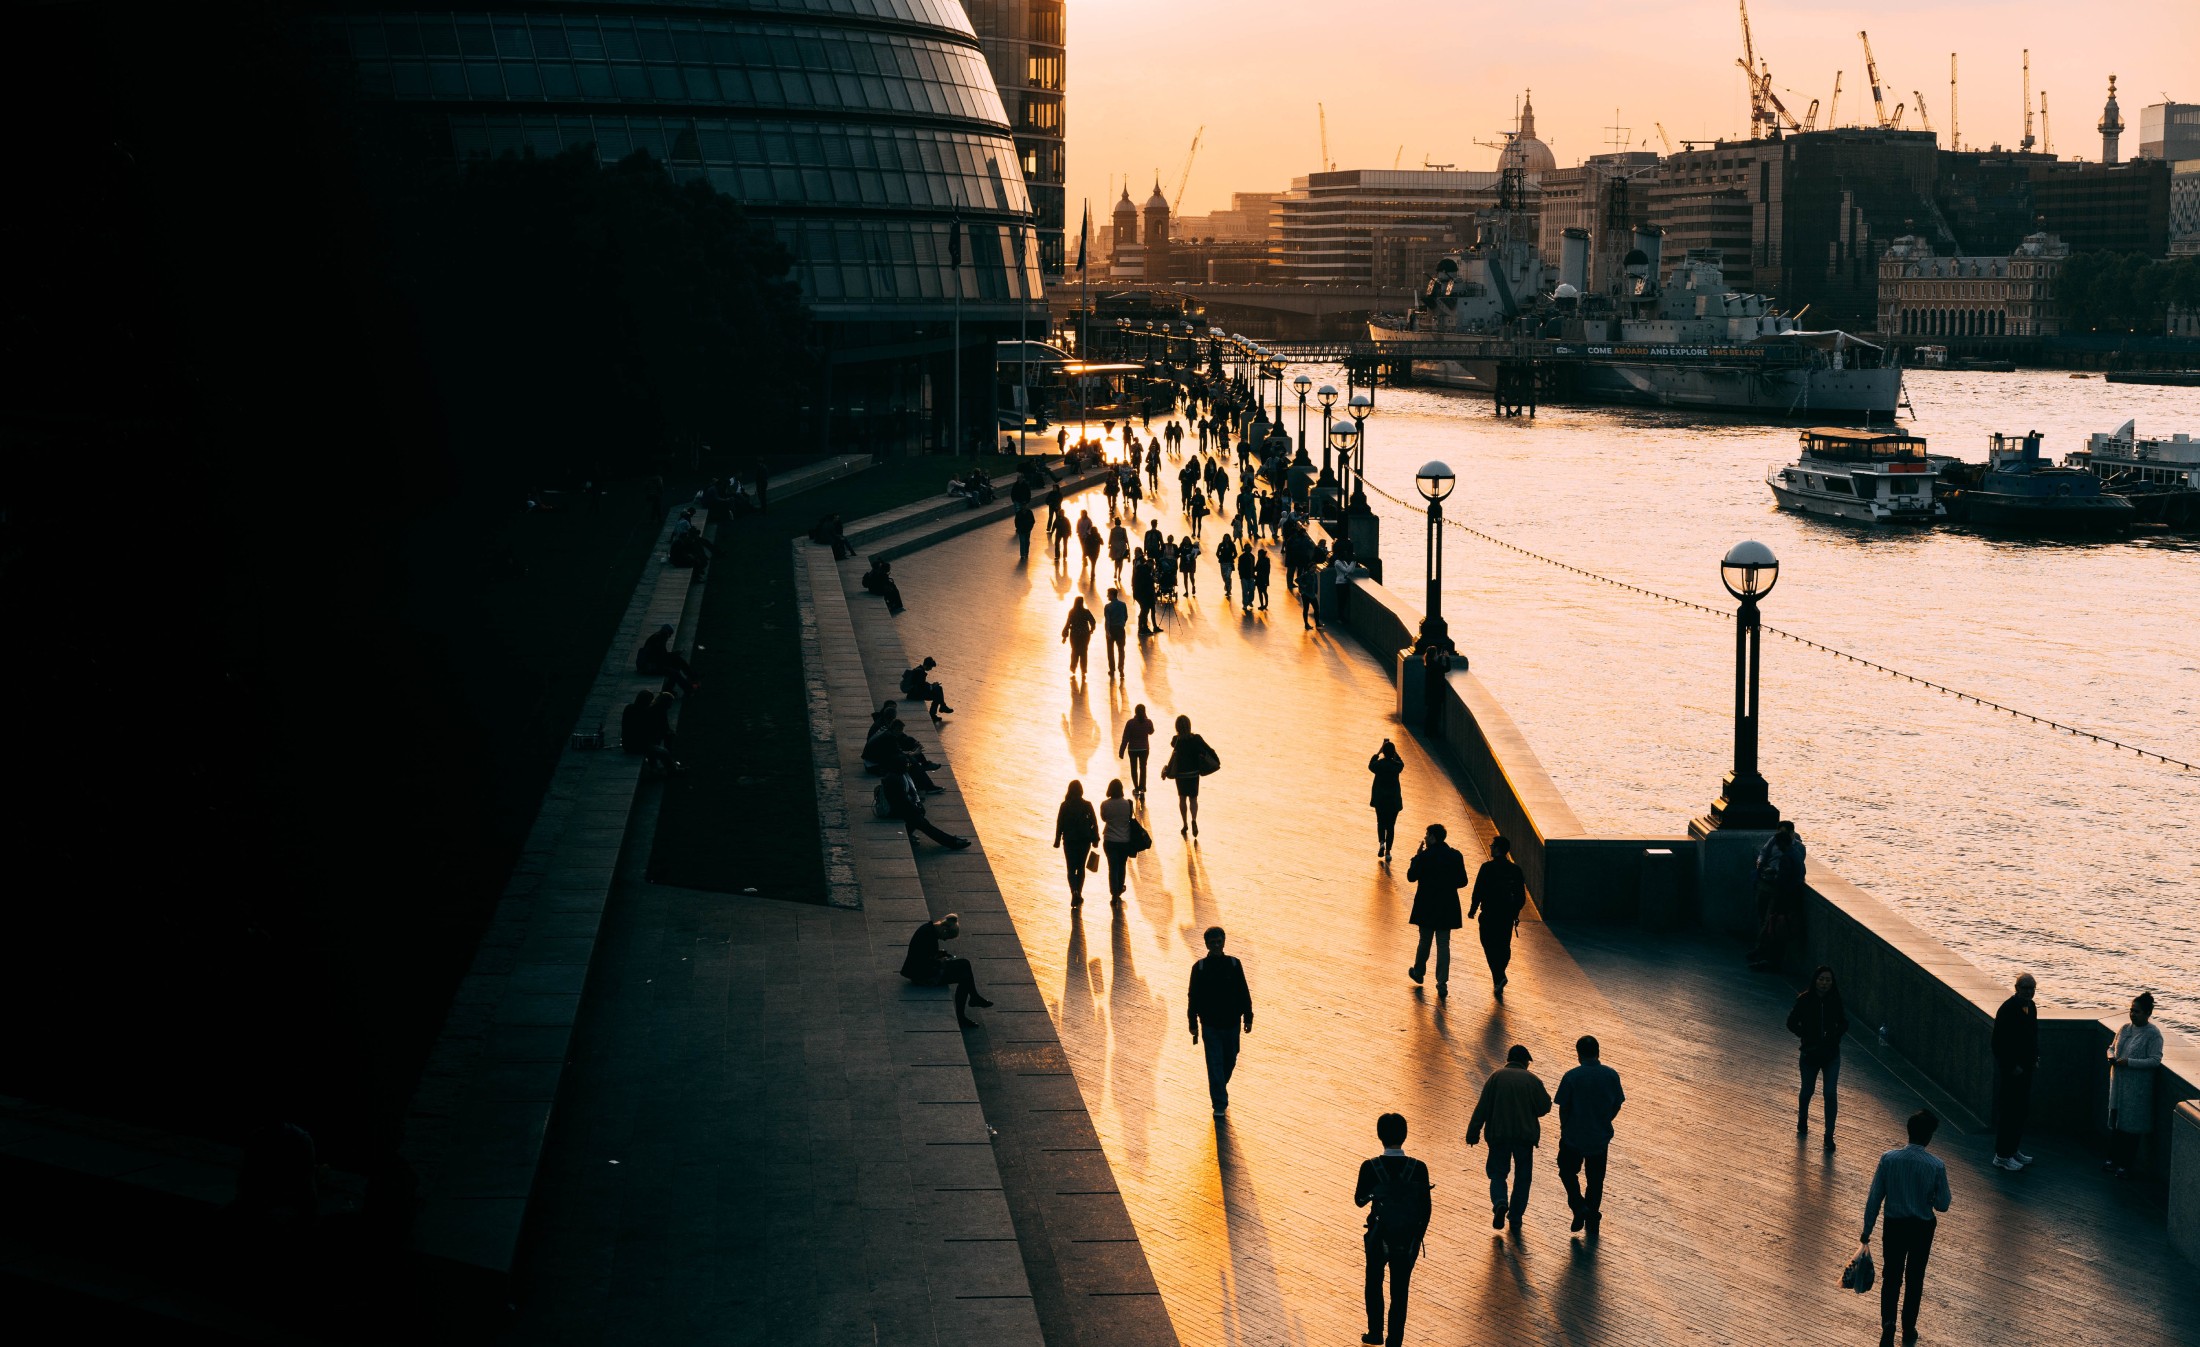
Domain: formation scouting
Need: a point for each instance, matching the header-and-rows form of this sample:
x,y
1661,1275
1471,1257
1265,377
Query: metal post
x,y
1746,644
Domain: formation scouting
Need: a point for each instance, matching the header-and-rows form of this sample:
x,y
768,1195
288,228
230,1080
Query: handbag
x,y
1092,860
1205,760
1858,1275
1141,840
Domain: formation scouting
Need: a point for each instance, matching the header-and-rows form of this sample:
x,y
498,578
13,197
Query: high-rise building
x,y
870,138
2169,131
1326,225
2112,208
1023,41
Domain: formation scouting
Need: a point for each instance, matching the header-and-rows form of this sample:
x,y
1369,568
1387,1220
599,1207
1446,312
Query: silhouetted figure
x,y
1116,618
1137,745
1500,895
1058,532
1076,832
1261,568
1247,569
1782,867
904,803
915,684
1146,592
1912,1184
1820,1021
891,751
2134,1060
1088,539
828,532
1441,872
930,966
1190,758
1219,1003
1077,631
2016,1057
1395,1188
1310,590
1385,798
1026,521
641,732
1226,558
1589,1097
1117,819
1508,1113
879,580
657,659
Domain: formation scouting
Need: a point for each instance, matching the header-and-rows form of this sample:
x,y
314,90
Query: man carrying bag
x,y
1395,1188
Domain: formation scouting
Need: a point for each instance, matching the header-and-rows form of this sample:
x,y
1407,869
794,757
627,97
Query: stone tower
x,y
1125,221
2112,125
1156,235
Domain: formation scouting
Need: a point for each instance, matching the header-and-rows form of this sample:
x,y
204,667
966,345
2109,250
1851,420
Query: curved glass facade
x,y
861,130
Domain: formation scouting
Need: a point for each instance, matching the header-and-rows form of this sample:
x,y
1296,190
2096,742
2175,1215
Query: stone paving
x,y
1720,1228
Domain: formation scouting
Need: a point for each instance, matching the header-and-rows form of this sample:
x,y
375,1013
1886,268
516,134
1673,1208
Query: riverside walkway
x,y
1721,1226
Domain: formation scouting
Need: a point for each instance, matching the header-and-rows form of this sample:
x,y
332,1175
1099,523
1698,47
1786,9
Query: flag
x,y
1083,230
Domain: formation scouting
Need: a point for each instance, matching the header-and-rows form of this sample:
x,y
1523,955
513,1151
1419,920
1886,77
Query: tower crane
x,y
1399,157
2047,141
1748,62
1327,163
1176,206
1894,123
2026,143
1955,128
1871,72
1833,109
1664,137
1810,117
1776,111
1926,118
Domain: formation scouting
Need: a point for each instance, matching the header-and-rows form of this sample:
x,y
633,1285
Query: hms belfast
x,y
1678,339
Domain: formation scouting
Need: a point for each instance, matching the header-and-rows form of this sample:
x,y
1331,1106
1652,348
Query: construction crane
x,y
1328,164
2047,140
1776,111
1810,118
1894,123
1748,62
2026,143
1871,72
1399,157
1924,117
1664,137
1955,128
1833,109
1176,206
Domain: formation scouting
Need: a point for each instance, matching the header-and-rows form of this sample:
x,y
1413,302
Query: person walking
x,y
1309,587
2134,1060
1058,537
1076,832
1261,567
1589,1098
1137,745
1226,553
1147,592
2016,1046
1441,872
1077,630
1119,546
1246,570
1088,538
1116,620
1117,818
1509,1114
1026,521
1820,1021
1113,486
1911,1184
1395,1188
1500,895
1187,564
1190,758
1219,1003
1385,798
1199,512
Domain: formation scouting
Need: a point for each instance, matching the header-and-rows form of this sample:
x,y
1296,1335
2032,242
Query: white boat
x,y
1867,476
2161,478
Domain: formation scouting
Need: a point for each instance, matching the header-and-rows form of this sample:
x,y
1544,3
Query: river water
x,y
2024,848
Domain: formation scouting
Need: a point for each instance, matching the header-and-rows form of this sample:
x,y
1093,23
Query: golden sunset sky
x,y
1436,76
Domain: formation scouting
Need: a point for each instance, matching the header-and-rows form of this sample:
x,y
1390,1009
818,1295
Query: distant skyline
x,y
1435,77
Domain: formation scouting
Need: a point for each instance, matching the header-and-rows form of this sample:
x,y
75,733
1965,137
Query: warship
x,y
1681,339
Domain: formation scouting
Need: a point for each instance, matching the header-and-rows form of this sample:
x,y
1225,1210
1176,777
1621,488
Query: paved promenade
x,y
1720,1227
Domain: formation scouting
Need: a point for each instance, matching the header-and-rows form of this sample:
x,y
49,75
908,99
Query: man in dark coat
x,y
1220,1003
1441,872
1500,893
930,966
2016,1057
1395,1187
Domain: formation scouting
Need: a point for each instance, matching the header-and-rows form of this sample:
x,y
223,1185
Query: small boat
x,y
2174,378
2017,490
1867,476
2161,478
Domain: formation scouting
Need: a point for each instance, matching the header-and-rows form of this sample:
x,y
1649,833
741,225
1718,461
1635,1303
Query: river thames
x,y
2022,847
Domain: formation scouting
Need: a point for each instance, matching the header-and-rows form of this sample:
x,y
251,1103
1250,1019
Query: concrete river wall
x,y
1936,1006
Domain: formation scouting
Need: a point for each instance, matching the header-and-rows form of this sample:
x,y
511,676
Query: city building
x,y
1929,297
1023,42
1608,195
2184,208
1325,227
1246,219
2115,208
2169,131
1723,197
871,139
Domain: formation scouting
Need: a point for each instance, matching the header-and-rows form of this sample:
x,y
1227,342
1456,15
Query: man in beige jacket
x,y
1513,1100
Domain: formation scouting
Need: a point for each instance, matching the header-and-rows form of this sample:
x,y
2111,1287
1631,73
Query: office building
x,y
1325,227
1949,298
1246,220
1023,41
2112,208
2184,208
2169,131
868,140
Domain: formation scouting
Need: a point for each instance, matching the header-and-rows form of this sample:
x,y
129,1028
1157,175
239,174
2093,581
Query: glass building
x,y
1023,42
865,132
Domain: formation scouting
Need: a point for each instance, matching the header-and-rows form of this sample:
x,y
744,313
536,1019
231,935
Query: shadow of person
x,y
1141,1022
1253,1296
1084,1033
1079,730
1205,911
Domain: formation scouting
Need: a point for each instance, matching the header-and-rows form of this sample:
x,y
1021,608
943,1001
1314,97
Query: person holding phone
x,y
1385,798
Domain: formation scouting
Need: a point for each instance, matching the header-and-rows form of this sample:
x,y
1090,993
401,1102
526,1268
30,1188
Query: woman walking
x,y
1137,745
1077,631
1189,759
1116,818
1819,1020
1441,872
1500,894
2134,1061
1245,570
1076,833
1187,564
1387,801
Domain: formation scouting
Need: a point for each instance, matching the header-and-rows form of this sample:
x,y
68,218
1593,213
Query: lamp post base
x,y
1726,875
1743,803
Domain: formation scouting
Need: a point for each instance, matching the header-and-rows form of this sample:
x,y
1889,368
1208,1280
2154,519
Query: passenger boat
x,y
1867,476
2161,478
2018,490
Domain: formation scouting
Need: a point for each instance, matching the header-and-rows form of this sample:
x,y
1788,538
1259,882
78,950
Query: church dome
x,y
1125,207
1535,156
1157,201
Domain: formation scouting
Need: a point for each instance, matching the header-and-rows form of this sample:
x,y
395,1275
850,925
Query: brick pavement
x,y
1719,1228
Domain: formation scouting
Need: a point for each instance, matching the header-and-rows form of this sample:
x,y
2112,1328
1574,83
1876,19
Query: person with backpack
x,y
1190,758
1395,1188
915,684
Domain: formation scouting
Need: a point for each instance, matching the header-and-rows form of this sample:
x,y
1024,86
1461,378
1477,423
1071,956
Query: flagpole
x,y
954,251
1023,347
1084,316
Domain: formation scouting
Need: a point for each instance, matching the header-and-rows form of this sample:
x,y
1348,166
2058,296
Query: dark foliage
x,y
2124,292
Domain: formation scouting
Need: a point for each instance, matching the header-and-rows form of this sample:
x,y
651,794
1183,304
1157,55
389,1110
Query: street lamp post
x,y
1749,572
1435,480
1303,384
1361,407
1343,435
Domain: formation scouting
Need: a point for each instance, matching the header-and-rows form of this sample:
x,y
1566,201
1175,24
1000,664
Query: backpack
x,y
1399,1209
912,682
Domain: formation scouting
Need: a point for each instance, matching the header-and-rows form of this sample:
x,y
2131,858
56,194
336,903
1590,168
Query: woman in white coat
x,y
2133,1060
